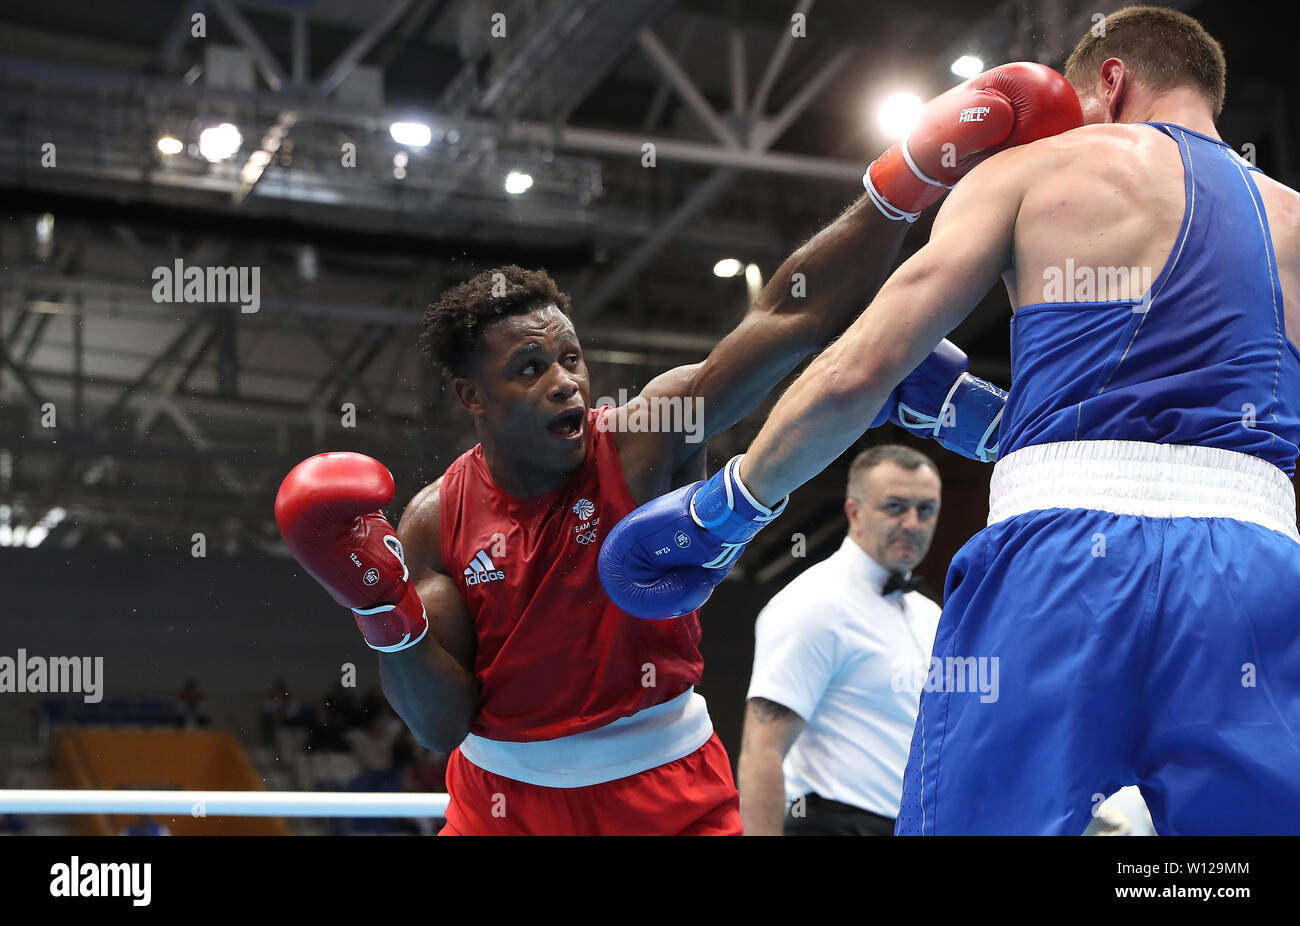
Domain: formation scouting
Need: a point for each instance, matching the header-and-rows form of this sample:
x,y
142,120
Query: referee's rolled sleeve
x,y
795,653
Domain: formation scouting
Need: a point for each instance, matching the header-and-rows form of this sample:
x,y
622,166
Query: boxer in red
x,y
562,713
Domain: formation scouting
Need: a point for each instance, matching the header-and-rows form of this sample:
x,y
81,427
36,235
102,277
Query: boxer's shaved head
x,y
452,332
1162,48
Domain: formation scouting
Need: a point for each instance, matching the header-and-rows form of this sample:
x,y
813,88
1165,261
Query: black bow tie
x,y
897,582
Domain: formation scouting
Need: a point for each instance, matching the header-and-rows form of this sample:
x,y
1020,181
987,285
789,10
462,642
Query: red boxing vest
x,y
555,656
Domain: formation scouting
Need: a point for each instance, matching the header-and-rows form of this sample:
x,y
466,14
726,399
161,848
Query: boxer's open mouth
x,y
567,424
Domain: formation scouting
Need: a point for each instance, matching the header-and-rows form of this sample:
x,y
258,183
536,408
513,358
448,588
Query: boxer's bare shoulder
x,y
1098,197
421,537
420,528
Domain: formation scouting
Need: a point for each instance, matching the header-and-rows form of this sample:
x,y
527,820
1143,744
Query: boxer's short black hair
x,y
452,330
1163,48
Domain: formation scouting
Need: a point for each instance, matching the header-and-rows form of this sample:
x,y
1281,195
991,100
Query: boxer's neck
x,y
521,478
1180,106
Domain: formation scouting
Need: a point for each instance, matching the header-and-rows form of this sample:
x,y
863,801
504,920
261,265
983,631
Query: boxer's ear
x,y
470,394
1115,82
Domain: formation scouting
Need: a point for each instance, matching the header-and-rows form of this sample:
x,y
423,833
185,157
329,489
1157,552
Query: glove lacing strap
x,y
988,453
732,484
913,420
886,208
395,547
920,174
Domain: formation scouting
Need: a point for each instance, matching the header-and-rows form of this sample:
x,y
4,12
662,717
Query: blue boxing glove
x,y
665,558
940,399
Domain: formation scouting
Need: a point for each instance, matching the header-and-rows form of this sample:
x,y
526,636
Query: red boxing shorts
x,y
691,796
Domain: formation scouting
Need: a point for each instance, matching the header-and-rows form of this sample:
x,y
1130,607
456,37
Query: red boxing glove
x,y
1007,106
328,513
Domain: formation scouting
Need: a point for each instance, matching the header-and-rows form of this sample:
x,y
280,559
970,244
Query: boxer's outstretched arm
x,y
836,398
842,267
431,685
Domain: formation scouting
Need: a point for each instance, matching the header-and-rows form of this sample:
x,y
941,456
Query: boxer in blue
x,y
1138,583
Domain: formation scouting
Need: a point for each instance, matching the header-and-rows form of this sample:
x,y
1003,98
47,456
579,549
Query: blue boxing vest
x,y
1202,358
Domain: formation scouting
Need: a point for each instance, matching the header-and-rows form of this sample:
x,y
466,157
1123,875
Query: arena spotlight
x,y
414,134
518,182
728,267
219,142
753,282
967,66
169,144
45,236
37,533
899,114
308,264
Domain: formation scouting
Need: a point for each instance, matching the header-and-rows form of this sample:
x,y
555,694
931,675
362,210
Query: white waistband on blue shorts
x,y
1141,478
647,739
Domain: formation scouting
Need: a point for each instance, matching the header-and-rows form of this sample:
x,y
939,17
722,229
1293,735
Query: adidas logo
x,y
481,569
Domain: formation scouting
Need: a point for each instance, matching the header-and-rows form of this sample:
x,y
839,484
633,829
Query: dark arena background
x,y
348,162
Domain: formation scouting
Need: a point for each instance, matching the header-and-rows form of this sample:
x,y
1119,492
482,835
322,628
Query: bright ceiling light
x,y
899,114
219,142
170,145
967,66
518,182
415,134
728,267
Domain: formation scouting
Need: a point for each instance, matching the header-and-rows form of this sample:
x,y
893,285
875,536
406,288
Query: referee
x,y
832,701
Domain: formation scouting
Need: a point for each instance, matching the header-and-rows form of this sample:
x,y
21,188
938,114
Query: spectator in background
x,y
279,709
344,707
374,748
326,732
832,699
145,826
192,706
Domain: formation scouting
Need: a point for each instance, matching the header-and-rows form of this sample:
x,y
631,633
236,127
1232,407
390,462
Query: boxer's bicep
x,y
970,246
419,532
933,291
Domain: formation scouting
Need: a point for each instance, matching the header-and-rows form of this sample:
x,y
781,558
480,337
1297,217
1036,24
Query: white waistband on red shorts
x,y
647,739
1141,478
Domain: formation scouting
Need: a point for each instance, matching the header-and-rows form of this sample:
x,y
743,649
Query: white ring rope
x,y
224,803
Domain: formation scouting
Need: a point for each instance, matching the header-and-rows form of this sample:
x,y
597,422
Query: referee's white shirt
x,y
846,659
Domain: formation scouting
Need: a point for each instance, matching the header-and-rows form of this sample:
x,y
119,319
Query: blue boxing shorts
x,y
1136,608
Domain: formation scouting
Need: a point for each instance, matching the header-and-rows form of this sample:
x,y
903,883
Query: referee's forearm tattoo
x,y
766,711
